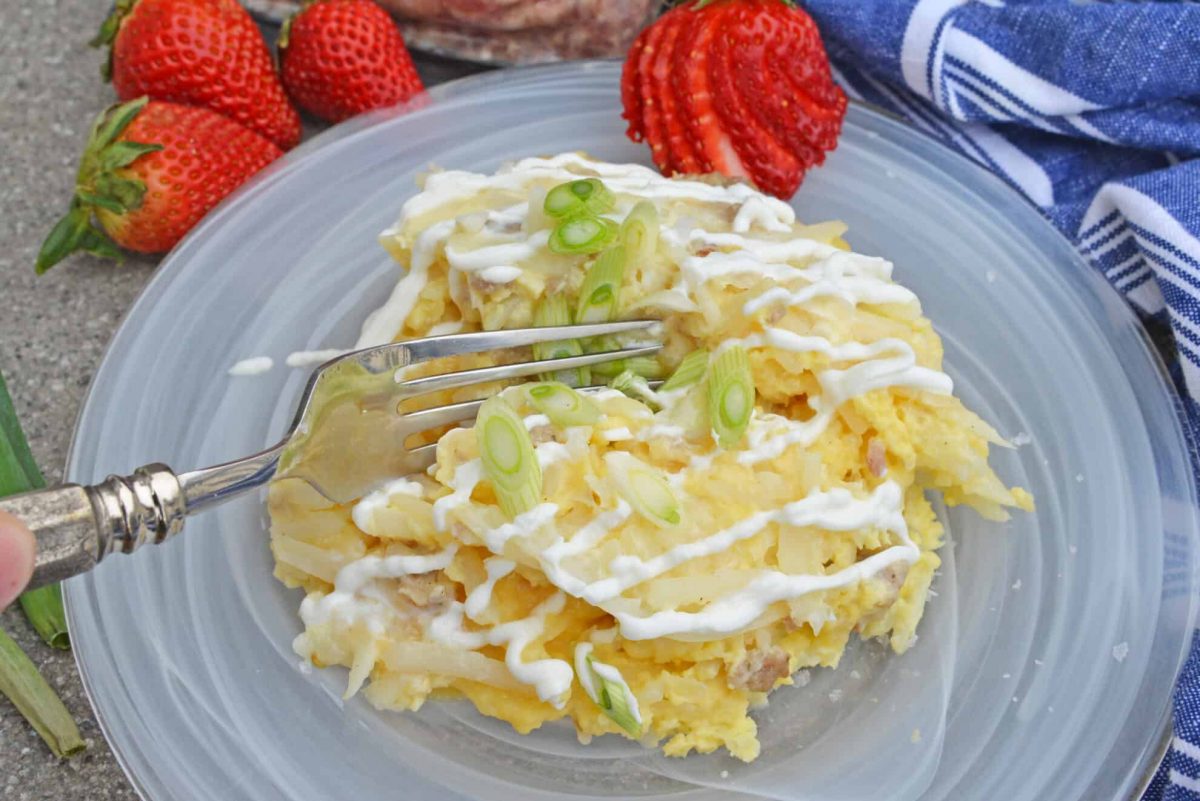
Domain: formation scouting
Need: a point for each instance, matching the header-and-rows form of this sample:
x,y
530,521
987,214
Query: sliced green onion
x,y
645,366
639,233
690,370
645,488
575,198
554,310
582,235
509,460
615,698
636,387
730,396
563,405
600,295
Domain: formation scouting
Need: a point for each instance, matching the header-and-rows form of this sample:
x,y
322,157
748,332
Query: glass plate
x,y
1068,626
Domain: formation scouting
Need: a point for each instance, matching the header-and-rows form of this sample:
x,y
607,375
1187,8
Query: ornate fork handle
x,y
77,526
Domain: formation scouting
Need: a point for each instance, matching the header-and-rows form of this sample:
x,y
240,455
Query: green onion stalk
x,y
509,459
730,396
690,371
20,681
553,310
564,406
582,235
586,196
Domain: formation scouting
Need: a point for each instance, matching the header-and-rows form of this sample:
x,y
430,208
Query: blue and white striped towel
x,y
1092,111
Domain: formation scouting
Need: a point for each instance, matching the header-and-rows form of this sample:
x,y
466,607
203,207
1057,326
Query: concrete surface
x,y
54,328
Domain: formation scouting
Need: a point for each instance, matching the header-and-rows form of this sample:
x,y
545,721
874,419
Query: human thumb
x,y
16,558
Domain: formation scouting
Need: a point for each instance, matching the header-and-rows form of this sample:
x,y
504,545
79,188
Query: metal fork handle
x,y
77,526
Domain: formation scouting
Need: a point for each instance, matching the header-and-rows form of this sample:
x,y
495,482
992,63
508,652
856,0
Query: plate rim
x,y
478,83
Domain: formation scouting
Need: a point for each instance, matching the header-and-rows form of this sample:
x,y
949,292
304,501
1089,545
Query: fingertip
x,y
17,548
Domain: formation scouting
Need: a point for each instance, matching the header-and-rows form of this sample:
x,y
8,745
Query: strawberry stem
x,y
102,183
108,33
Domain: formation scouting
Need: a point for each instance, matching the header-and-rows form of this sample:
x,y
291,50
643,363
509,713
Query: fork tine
x,y
437,383
442,415
424,419
479,341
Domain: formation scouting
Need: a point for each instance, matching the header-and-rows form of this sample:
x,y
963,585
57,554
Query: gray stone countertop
x,y
54,328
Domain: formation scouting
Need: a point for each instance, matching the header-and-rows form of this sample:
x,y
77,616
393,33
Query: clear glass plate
x,y
185,648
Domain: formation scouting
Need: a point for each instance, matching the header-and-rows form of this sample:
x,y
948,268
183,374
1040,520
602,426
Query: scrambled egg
x,y
815,527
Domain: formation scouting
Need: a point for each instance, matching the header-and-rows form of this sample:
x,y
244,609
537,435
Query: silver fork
x,y
348,434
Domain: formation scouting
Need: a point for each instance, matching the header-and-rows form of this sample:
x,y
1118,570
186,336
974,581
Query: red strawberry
x,y
202,53
343,57
740,86
150,171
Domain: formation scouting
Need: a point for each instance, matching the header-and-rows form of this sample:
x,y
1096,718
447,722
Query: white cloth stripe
x,y
919,47
1186,782
1045,97
1002,106
1100,232
1111,244
1189,750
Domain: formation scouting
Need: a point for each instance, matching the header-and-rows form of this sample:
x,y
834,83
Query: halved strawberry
x,y
651,126
631,98
740,86
673,44
769,164
689,82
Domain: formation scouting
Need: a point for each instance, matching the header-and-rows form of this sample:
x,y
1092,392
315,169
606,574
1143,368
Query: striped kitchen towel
x,y
1092,111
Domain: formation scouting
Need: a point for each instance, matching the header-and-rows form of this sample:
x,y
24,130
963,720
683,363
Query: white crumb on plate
x,y
311,358
802,678
1015,699
1038,662
724,774
854,674
835,695
1071,549
1021,439
1006,676
255,365
1016,585
1120,651
305,666
1079,477
916,736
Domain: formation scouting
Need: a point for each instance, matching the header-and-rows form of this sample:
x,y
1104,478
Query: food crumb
x,y
724,774
1072,550
835,695
256,365
1022,439
1079,477
1014,699
916,736
1006,676
1038,662
1120,651
1016,584
854,674
802,678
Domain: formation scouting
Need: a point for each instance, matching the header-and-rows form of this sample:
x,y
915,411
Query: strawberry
x,y
150,171
742,87
201,53
340,58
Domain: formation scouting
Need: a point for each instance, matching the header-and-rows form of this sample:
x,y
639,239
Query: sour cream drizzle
x,y
854,369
